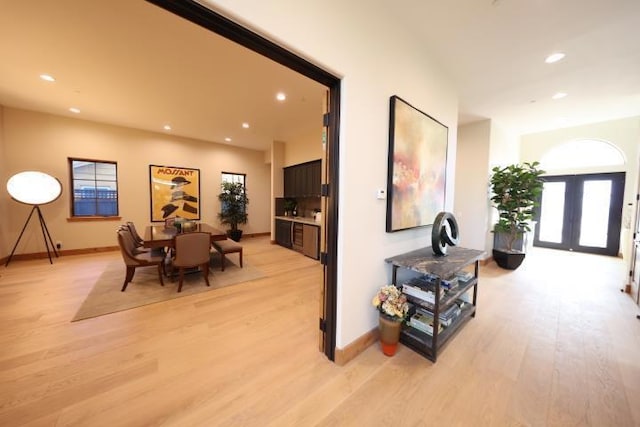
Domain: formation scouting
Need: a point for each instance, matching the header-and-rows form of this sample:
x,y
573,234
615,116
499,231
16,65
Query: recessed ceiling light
x,y
167,127
559,95
281,96
227,139
47,77
554,57
245,125
74,110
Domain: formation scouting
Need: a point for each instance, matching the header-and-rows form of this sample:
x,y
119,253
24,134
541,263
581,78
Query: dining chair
x,y
133,260
137,246
139,240
191,250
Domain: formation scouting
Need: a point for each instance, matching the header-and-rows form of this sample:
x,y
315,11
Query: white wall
x,y
481,146
504,150
277,179
4,196
376,58
472,180
306,147
36,141
623,133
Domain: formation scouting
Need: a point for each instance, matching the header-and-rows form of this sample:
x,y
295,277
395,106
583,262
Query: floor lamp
x,y
35,189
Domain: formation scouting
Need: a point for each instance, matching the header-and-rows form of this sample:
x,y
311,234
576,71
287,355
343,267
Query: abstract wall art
x,y
416,167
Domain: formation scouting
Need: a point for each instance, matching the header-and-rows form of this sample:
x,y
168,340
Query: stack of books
x,y
423,288
449,315
464,277
450,283
423,321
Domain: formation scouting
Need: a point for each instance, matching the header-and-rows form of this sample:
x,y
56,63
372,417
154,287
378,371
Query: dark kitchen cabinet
x,y
283,233
303,180
289,181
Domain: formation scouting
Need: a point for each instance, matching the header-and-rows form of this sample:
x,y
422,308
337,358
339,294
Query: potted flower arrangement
x,y
233,208
393,307
516,192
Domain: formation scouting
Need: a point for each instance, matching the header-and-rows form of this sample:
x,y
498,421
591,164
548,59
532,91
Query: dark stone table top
x,y
424,261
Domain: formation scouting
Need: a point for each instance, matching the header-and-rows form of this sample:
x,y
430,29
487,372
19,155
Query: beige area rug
x,y
105,297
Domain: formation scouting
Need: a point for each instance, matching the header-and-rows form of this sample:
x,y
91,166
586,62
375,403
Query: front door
x,y
581,213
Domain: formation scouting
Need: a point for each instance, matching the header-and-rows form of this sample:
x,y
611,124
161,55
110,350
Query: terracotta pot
x,y
389,328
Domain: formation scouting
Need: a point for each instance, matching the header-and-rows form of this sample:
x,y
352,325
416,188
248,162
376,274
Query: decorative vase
x,y
389,328
234,235
508,260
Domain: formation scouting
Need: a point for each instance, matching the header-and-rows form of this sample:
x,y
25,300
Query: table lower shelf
x,y
423,343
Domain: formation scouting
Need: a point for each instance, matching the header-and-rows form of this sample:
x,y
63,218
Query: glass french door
x,y
581,213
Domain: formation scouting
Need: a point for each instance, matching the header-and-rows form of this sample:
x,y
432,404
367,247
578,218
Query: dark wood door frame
x,y
200,15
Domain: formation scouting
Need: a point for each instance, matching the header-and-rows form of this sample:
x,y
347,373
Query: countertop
x,y
301,219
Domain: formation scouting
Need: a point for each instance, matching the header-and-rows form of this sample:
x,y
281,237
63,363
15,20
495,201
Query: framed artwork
x,y
416,167
175,192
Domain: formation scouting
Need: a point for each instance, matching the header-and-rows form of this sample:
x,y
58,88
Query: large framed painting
x,y
416,167
175,192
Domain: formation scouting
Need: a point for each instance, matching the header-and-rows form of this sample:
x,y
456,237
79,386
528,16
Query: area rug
x,y
105,297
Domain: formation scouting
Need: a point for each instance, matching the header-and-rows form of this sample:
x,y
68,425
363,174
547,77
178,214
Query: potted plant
x,y
233,208
289,206
393,307
516,192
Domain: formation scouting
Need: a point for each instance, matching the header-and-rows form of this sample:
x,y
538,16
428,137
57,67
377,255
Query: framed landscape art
x,y
416,167
175,192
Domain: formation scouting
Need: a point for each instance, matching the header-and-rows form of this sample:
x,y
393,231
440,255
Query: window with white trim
x,y
94,186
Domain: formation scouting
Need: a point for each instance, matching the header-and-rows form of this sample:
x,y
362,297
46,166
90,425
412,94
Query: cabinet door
x,y
299,181
316,178
289,182
283,233
304,180
311,241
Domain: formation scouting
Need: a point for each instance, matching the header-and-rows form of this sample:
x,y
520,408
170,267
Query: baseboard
x,y
343,355
486,261
268,233
42,255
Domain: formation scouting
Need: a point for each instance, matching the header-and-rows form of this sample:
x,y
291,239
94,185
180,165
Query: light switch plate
x,y
382,194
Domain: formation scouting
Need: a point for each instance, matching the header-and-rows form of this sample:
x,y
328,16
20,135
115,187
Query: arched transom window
x,y
582,153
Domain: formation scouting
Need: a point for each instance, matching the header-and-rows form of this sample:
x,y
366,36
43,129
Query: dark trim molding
x,y
219,24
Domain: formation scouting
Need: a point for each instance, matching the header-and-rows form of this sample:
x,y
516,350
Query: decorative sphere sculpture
x,y
444,232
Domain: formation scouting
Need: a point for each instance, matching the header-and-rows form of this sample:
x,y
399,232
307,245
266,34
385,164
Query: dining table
x,y
160,236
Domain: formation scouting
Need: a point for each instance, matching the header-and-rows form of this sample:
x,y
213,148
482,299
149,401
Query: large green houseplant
x,y
233,208
516,192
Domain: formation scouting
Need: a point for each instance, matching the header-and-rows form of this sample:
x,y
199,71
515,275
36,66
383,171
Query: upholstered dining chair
x,y
134,260
191,250
139,240
137,246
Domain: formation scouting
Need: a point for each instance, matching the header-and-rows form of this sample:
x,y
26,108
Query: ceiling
x,y
118,63
132,64
495,49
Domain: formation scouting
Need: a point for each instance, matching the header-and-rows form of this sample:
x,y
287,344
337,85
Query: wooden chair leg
x,y
205,271
181,278
223,260
240,258
161,272
128,277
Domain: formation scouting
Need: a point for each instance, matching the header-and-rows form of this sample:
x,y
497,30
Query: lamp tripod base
x,y
45,235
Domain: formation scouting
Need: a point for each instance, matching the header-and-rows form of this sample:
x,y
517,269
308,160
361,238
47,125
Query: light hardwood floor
x,y
554,343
